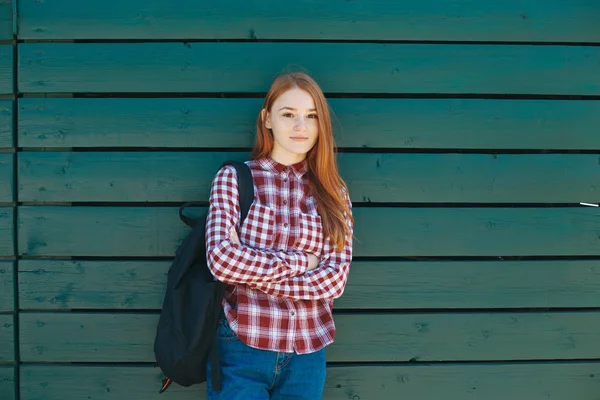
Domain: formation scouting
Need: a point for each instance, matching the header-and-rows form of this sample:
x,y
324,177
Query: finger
x,y
233,236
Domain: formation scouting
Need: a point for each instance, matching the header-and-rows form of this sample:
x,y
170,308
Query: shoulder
x,y
229,171
225,175
225,184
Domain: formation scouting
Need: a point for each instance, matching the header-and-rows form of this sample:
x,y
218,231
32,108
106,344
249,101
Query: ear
x,y
266,118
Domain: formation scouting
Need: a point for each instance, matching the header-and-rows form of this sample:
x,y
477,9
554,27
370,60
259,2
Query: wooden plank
x,y
6,177
7,292
6,67
7,383
6,232
391,123
535,381
76,176
6,124
399,178
7,339
6,19
156,231
339,67
76,337
472,336
375,20
472,284
54,284
539,381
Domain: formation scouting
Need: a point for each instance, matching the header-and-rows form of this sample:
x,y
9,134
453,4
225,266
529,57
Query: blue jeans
x,y
252,374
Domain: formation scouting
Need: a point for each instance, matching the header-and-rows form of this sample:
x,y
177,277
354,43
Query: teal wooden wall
x,y
469,133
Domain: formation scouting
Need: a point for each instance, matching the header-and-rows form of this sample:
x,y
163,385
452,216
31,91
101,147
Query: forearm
x,y
235,263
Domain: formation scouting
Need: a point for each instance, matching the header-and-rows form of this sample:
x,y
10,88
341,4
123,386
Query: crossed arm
x,y
290,273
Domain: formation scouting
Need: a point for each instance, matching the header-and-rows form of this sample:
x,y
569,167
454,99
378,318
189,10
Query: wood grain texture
x,y
78,337
230,123
7,292
7,339
6,232
6,19
6,66
116,285
7,383
6,124
537,381
339,67
6,177
512,20
156,231
393,178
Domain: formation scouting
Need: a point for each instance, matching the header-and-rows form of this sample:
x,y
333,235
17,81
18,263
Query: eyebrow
x,y
293,109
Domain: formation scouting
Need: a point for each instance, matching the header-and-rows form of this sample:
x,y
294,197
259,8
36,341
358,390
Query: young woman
x,y
290,258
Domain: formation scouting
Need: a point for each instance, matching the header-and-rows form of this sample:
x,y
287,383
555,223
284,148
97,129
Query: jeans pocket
x,y
224,331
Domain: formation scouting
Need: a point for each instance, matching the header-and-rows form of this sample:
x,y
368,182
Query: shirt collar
x,y
268,164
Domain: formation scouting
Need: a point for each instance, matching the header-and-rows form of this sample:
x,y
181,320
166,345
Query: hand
x,y
313,261
233,236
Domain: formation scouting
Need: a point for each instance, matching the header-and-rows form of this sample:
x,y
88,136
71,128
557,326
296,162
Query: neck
x,y
286,159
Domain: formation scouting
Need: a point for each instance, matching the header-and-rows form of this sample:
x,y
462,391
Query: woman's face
x,y
294,123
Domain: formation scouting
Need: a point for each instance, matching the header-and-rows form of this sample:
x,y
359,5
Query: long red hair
x,y
324,179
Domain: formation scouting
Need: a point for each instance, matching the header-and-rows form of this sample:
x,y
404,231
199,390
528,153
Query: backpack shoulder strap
x,y
245,187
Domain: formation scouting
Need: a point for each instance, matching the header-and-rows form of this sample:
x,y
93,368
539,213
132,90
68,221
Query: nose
x,y
300,124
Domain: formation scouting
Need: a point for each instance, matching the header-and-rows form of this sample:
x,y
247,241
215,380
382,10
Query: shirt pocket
x,y
310,237
258,229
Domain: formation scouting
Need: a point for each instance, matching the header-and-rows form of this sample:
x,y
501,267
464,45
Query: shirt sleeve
x,y
327,281
235,263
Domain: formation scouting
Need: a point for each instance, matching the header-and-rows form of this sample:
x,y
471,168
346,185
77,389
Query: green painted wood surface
x,y
7,292
513,20
537,381
75,337
339,67
6,124
6,177
6,66
7,339
6,19
7,383
55,284
430,178
390,123
6,232
156,231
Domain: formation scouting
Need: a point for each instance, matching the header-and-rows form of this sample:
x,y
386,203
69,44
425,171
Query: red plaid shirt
x,y
272,301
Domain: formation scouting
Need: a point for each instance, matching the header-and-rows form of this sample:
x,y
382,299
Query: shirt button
x,y
285,225
284,202
285,179
292,313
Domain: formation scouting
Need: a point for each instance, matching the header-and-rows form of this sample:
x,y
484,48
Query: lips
x,y
299,138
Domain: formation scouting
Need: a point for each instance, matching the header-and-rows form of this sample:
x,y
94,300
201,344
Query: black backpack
x,y
192,304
